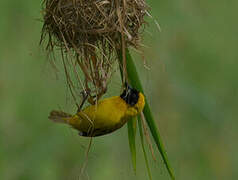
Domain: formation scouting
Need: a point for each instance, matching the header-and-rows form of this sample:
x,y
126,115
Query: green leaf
x,y
131,125
136,83
143,147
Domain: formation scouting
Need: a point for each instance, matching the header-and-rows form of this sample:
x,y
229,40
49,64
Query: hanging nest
x,y
89,34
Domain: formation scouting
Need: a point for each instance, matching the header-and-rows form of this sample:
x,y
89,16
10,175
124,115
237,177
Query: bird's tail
x,y
59,116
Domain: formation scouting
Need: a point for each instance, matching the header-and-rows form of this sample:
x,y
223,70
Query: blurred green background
x,y
191,86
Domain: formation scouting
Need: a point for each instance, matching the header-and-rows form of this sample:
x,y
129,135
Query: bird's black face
x,y
130,95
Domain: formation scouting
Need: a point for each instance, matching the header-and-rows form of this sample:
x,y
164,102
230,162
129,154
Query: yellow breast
x,y
106,116
102,118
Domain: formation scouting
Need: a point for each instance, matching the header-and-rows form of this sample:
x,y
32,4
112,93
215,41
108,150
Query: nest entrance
x,y
90,33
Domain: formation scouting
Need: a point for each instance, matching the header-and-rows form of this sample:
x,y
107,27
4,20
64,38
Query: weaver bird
x,y
106,116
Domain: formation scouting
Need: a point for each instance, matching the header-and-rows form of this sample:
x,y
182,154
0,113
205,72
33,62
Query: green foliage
x,y
135,82
143,147
132,140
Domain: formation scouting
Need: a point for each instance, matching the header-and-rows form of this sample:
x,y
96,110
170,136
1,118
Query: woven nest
x,y
91,32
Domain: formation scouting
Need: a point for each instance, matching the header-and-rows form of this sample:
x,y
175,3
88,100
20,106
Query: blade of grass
x,y
143,147
136,83
131,126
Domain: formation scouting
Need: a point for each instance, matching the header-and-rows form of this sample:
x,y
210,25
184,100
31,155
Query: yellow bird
x,y
106,116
